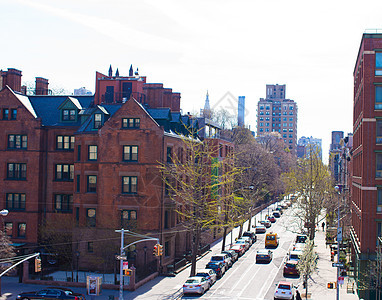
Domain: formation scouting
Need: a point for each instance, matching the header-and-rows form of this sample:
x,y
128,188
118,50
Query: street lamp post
x,y
337,188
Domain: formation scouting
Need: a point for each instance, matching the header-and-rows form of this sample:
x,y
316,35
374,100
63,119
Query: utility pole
x,y
339,238
121,264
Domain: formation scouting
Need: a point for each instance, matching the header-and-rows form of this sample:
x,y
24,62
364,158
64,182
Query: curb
x,y
189,264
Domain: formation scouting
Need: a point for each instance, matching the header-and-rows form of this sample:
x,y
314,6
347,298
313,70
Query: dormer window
x,y
68,115
133,123
97,121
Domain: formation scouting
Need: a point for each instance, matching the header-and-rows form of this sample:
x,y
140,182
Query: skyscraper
x,y
275,113
240,111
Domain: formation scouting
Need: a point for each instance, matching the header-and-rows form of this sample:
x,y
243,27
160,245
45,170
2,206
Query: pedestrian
x,y
298,297
323,226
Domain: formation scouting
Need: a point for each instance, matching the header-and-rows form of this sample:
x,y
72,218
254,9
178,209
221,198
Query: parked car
x,y
301,238
233,254
51,293
244,242
284,290
271,240
250,234
272,219
295,255
290,268
196,284
299,246
260,229
246,238
266,223
276,214
264,255
279,209
224,258
209,274
238,248
218,267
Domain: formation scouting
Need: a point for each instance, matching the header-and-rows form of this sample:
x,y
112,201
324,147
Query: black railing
x,y
118,97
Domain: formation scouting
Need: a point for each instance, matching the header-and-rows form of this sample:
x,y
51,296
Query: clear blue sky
x,y
191,46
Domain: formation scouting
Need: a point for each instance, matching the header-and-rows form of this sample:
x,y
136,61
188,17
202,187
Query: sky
x,y
230,48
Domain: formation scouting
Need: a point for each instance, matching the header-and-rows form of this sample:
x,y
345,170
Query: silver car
x,y
196,285
209,274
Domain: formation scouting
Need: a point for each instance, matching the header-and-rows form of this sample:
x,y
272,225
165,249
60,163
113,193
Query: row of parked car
x,y
218,265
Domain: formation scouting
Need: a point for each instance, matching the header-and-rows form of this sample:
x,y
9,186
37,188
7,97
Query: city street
x,y
244,280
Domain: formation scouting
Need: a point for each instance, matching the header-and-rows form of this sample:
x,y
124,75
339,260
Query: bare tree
x,y
6,252
307,263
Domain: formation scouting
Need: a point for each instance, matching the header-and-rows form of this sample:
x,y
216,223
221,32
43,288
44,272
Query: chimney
x,y
24,89
41,86
12,78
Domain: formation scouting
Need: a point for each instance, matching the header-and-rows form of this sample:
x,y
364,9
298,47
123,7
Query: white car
x,y
243,242
284,290
196,284
223,258
209,274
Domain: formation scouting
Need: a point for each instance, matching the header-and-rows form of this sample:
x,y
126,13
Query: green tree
x,y
308,262
311,180
198,180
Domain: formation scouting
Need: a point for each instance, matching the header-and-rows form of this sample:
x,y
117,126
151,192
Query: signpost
x,y
339,234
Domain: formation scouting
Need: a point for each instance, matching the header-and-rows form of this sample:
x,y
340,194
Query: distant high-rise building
x,y
206,112
240,111
335,154
275,113
306,145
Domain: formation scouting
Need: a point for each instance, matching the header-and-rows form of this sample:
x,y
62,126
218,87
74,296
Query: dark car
x,y
250,234
264,255
272,219
290,268
51,293
301,238
233,254
218,267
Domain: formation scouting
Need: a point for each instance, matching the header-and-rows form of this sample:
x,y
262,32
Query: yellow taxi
x,y
271,240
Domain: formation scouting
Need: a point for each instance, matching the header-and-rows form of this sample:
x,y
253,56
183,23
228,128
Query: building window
x,y
92,184
261,107
261,119
378,63
290,124
63,202
92,152
129,184
290,130
17,141
91,217
77,216
130,153
15,201
266,129
378,97
65,142
261,129
128,217
379,200
166,249
79,153
132,123
284,136
21,230
64,172
78,183
266,124
267,113
290,141
261,124
68,115
291,113
261,113
13,114
17,171
97,121
291,136
90,247
169,155
5,114
378,172
8,228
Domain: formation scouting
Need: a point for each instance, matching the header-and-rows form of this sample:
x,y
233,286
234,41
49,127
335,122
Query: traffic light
x,y
156,250
127,272
37,264
160,250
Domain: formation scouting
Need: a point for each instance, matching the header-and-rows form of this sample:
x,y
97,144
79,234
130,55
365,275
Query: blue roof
x,y
46,108
160,113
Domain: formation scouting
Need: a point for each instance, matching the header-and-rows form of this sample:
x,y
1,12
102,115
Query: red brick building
x,y
366,163
94,158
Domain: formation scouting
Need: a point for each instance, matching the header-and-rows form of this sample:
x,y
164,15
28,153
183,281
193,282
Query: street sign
x,y
339,234
119,257
341,280
125,265
338,265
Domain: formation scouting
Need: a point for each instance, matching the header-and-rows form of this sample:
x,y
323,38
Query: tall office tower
x,y
275,113
366,159
240,111
306,145
335,154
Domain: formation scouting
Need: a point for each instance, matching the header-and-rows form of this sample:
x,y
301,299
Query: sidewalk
x,y
325,273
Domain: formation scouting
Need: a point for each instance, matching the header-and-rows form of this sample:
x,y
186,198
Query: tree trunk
x,y
224,237
195,247
240,230
249,221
